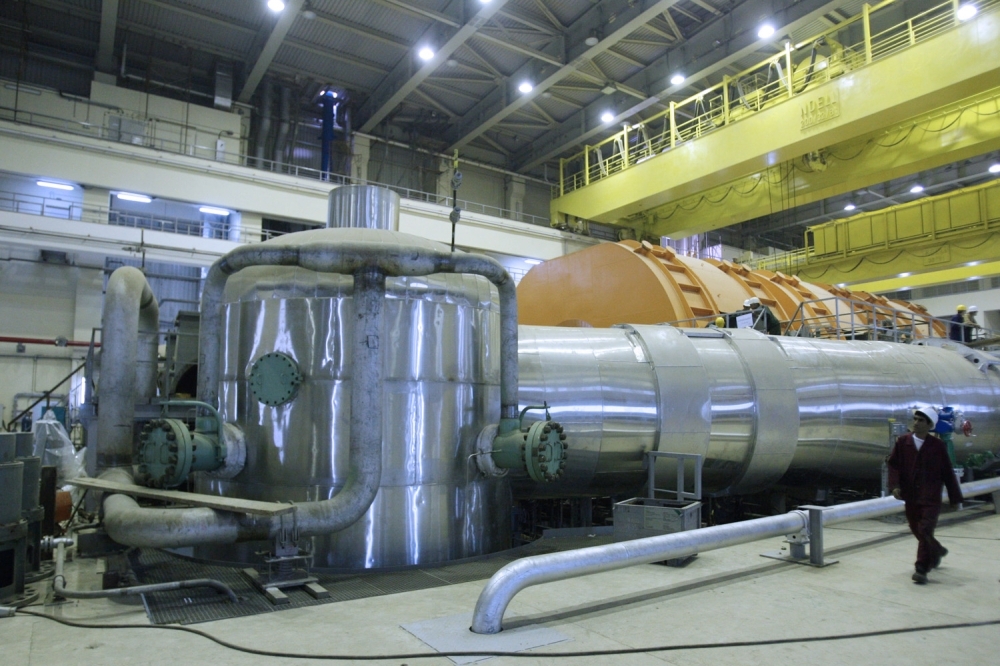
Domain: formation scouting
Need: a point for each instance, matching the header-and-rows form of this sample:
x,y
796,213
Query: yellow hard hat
x,y
961,308
720,322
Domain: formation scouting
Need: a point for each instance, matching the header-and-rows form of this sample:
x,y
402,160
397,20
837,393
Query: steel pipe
x,y
130,327
516,576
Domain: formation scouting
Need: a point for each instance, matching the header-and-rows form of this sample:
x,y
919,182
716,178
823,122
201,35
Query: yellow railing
x,y
774,80
784,262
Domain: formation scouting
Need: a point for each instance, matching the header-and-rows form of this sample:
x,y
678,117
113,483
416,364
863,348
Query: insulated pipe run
x,y
130,326
347,258
511,579
60,589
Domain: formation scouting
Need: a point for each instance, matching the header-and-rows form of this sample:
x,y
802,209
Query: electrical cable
x,y
532,655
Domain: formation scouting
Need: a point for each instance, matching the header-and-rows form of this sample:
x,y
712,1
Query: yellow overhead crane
x,y
933,240
848,116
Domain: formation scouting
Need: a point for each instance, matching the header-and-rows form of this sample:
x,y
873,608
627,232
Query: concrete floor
x,y
724,595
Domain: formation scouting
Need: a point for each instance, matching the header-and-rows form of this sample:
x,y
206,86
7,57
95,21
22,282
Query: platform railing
x,y
772,81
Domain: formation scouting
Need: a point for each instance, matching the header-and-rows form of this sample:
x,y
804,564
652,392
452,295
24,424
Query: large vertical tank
x,y
441,388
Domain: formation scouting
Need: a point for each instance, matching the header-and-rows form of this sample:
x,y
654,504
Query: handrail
x,y
769,82
176,145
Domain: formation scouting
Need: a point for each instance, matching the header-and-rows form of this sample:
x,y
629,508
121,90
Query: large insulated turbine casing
x,y
760,409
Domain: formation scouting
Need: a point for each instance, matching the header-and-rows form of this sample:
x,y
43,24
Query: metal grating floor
x,y
204,605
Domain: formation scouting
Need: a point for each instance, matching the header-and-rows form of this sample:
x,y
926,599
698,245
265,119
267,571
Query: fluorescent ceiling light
x,y
425,53
850,206
916,189
974,263
765,31
965,12
902,275
211,210
54,186
275,5
138,198
607,117
533,262
995,168
676,79
526,87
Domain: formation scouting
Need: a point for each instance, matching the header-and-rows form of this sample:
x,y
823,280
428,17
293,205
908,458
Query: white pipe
x,y
516,576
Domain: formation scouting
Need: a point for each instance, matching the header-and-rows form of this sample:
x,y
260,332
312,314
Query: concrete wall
x,y
41,300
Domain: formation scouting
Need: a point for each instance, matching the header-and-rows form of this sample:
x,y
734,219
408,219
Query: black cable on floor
x,y
495,653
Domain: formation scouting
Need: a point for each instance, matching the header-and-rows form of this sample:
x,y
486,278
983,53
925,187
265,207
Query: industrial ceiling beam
x,y
628,15
715,47
281,27
407,75
106,45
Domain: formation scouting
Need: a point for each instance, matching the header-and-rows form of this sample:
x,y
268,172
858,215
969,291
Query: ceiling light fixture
x,y
676,79
533,262
965,12
904,275
916,189
765,31
995,168
850,206
425,53
212,210
275,5
54,186
138,198
525,87
607,117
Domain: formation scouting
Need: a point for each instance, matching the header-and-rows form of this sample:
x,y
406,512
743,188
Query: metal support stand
x,y
996,501
283,567
811,536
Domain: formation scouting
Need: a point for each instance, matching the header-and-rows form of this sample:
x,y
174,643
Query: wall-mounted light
x,y
965,12
138,198
425,53
54,186
212,210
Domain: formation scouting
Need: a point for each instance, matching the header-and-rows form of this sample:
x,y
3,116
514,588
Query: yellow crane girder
x,y
945,238
959,63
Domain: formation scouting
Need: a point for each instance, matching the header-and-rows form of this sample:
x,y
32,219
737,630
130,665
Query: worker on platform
x,y
918,468
956,331
763,319
970,331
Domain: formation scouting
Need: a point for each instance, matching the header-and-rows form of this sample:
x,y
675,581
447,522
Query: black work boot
x,y
940,555
919,576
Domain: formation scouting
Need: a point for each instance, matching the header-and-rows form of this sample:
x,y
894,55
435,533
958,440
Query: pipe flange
x,y
545,451
165,453
275,379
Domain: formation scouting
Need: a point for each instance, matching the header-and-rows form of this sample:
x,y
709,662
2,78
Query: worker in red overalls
x,y
918,468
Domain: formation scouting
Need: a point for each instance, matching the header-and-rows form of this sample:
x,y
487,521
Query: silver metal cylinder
x,y
8,447
11,484
364,206
441,386
759,409
25,444
31,482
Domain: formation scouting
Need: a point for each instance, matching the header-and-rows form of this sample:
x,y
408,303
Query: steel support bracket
x,y
811,536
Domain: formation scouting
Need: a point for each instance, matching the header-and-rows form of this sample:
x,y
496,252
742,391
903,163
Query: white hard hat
x,y
930,412
753,300
973,308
